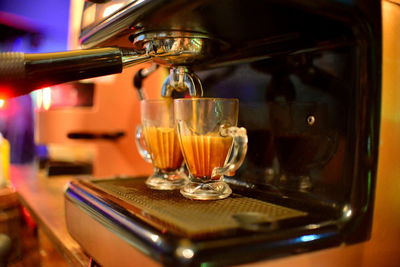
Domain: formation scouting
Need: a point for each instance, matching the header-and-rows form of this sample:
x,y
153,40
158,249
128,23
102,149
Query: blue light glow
x,y
308,238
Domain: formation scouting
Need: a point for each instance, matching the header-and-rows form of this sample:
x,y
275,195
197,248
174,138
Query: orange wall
x,y
116,108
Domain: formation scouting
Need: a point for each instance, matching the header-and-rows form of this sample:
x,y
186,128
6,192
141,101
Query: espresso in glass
x,y
211,143
163,145
158,143
203,153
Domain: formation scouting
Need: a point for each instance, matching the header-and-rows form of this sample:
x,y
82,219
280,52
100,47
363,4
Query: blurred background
x,y
31,27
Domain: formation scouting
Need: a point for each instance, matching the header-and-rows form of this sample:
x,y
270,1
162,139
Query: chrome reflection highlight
x,y
308,238
185,252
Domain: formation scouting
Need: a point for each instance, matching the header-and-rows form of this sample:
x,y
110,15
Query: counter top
x,y
43,197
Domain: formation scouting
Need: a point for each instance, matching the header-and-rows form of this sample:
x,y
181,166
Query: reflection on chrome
x,y
347,211
308,238
185,252
154,237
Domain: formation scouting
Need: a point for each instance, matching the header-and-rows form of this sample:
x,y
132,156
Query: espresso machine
x,y
307,75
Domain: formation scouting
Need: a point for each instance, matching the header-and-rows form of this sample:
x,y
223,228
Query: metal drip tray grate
x,y
170,211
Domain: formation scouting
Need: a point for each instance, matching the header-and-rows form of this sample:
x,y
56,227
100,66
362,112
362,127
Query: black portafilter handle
x,y
22,73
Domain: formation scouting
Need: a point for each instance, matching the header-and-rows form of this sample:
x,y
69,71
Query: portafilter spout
x,y
179,50
182,79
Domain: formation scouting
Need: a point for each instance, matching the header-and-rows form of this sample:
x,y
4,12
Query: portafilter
x,y
21,73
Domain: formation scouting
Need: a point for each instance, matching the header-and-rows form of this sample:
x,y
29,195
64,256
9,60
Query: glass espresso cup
x,y
211,144
305,139
157,142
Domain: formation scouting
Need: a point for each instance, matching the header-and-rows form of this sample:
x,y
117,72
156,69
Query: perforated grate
x,y
169,209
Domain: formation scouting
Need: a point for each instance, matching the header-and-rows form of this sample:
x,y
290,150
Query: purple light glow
x,y
50,19
49,16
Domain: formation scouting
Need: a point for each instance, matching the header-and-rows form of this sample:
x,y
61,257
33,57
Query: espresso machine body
x,y
307,75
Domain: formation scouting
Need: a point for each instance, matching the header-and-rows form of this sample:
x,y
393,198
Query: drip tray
x,y
114,218
169,210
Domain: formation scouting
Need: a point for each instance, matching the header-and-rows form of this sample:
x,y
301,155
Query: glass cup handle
x,y
238,150
141,145
327,155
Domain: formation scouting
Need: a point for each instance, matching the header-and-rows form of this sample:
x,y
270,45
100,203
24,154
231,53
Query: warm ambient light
x,y
111,9
6,92
38,99
43,98
2,102
46,98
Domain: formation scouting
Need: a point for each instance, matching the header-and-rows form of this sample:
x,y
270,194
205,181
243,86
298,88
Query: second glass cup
x,y
211,144
161,144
